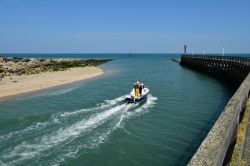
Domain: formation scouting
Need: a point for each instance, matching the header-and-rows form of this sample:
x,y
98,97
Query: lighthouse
x,y
185,48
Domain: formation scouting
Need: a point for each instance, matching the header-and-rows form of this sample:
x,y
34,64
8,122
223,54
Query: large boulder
x,y
33,63
8,65
46,62
21,65
25,60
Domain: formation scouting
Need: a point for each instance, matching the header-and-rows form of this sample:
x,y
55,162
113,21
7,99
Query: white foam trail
x,y
27,150
99,139
35,126
49,93
137,110
54,118
77,128
106,104
65,114
115,101
63,136
151,101
72,153
63,91
2,164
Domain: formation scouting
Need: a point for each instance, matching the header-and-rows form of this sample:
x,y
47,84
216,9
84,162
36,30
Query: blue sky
x,y
117,26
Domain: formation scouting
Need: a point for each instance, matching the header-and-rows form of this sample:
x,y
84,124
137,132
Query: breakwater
x,y
233,69
25,66
219,143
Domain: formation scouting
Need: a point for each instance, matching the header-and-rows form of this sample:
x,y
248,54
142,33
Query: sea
x,y
89,123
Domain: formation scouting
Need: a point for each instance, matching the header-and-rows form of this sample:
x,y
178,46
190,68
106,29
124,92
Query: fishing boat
x,y
138,94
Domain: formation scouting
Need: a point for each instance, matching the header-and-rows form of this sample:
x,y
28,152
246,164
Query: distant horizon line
x,y
127,53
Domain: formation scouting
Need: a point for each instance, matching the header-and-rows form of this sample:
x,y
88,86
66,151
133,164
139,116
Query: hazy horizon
x,y
207,53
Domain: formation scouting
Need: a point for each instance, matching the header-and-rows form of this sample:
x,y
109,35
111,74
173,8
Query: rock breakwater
x,y
25,66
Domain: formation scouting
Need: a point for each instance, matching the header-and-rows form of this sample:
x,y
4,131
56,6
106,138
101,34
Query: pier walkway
x,y
246,149
228,141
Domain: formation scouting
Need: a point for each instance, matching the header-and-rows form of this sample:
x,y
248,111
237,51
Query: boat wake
x,y
68,134
50,92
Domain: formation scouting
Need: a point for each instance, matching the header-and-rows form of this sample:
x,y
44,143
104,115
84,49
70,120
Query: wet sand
x,y
26,83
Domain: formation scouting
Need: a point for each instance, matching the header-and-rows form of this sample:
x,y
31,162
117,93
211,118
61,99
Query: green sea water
x,y
88,122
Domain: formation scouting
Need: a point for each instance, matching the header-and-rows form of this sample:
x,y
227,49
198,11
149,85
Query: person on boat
x,y
137,89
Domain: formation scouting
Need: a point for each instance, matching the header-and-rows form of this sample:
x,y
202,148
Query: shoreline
x,y
16,85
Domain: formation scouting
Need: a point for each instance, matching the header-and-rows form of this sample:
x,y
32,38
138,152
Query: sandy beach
x,y
26,83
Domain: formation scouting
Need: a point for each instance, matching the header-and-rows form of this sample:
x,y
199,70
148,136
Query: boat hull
x,y
136,100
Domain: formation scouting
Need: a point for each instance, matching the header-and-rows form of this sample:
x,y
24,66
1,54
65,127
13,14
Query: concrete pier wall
x,y
214,148
233,69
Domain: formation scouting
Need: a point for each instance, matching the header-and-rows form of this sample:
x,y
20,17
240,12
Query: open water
x,y
88,122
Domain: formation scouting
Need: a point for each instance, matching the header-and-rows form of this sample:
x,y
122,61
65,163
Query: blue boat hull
x,y
136,100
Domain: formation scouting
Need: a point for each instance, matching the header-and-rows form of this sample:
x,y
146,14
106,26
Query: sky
x,y
121,26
